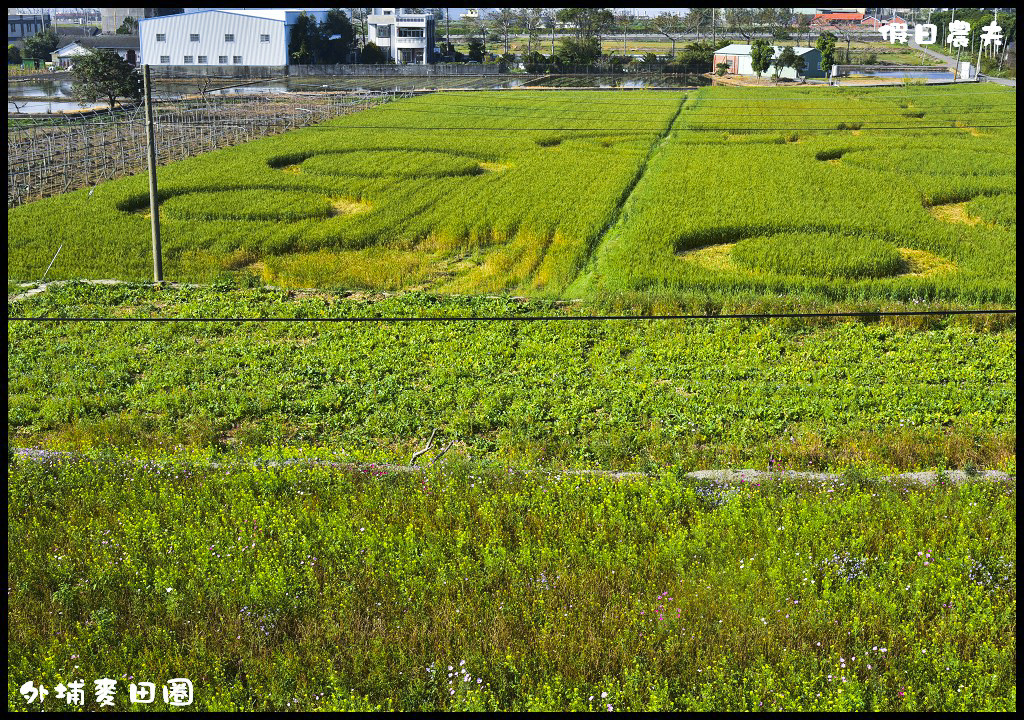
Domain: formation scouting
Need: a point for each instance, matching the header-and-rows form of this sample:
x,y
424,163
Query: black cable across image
x,y
521,318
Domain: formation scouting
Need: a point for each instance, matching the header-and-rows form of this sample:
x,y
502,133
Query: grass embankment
x,y
604,394
301,588
583,195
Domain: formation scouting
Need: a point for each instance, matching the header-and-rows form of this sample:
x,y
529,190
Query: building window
x,y
194,37
160,37
230,37
383,31
264,38
188,59
202,59
410,32
222,59
165,59
237,59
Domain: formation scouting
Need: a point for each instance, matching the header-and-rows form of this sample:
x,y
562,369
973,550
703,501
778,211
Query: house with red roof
x,y
838,18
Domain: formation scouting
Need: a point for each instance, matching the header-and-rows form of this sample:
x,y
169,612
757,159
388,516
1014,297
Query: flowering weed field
x,y
604,394
583,194
302,587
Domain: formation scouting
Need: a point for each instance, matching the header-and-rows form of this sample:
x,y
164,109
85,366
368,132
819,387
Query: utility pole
x,y
1006,43
981,46
154,205
447,32
995,21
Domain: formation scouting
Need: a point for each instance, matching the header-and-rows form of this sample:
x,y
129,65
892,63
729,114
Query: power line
x,y
522,318
836,113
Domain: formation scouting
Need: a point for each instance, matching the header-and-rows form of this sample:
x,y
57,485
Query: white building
x,y
407,38
738,58
126,46
221,37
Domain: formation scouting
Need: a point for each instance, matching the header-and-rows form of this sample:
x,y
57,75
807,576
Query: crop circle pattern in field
x,y
934,161
391,163
824,255
249,204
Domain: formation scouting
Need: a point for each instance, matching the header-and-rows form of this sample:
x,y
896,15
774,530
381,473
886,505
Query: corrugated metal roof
x,y
106,42
279,14
736,49
839,16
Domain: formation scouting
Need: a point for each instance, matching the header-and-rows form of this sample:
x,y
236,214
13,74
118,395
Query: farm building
x,y
407,37
738,59
221,37
127,46
73,33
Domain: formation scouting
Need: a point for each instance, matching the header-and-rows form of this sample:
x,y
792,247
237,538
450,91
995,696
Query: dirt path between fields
x,y
719,477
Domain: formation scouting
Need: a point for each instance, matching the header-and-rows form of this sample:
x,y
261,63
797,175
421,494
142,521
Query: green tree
x,y
826,45
103,75
477,33
698,18
722,68
697,57
305,40
787,58
372,54
503,21
668,25
130,26
579,51
476,50
41,45
586,22
761,53
803,26
338,36
799,65
359,19
535,62
742,21
531,19
13,55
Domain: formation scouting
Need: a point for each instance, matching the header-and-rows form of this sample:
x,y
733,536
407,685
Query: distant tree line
x,y
326,43
573,37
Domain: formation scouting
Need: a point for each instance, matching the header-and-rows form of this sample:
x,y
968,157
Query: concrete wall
x,y
395,70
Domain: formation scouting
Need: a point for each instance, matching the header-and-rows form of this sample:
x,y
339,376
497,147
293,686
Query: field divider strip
x,y
725,476
628,190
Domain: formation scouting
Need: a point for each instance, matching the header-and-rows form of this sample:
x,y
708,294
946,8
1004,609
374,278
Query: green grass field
x,y
220,500
598,394
320,588
574,194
